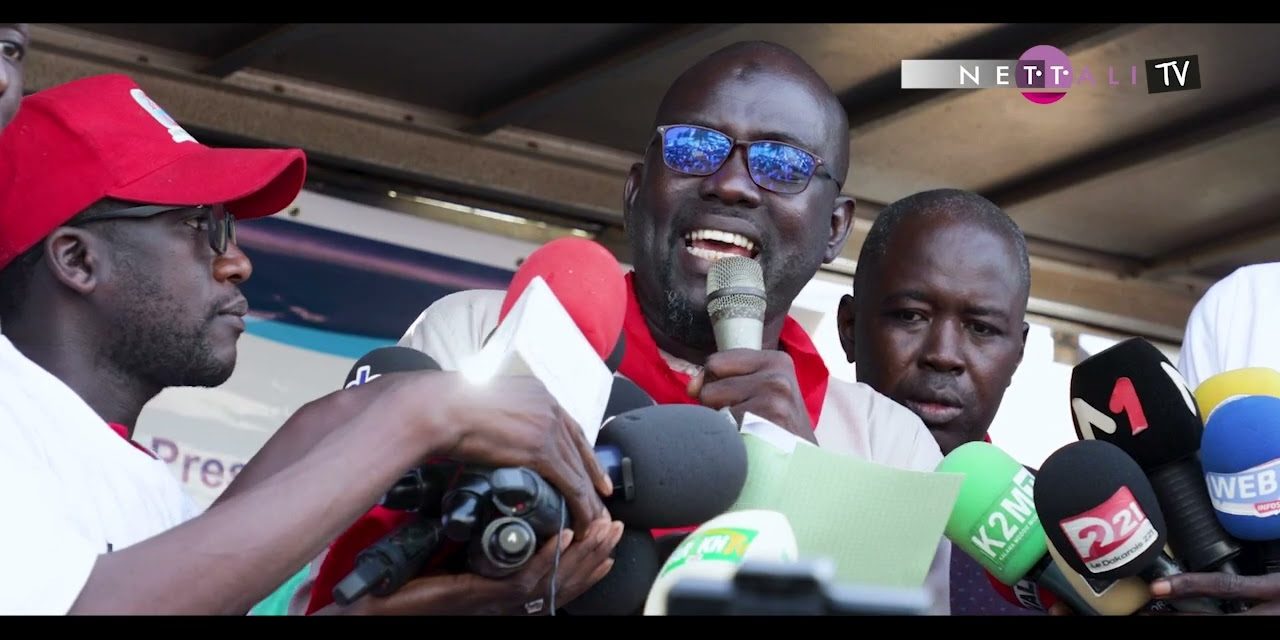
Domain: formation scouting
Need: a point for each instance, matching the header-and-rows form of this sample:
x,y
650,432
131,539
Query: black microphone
x,y
1101,514
400,555
1131,396
622,591
625,396
615,357
383,360
671,466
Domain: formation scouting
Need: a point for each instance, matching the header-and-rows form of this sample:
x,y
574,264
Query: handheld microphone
x,y
671,465
422,487
625,396
623,590
588,282
1116,598
1228,385
1241,456
719,546
385,360
994,521
1104,519
736,302
1023,593
1131,396
560,321
397,557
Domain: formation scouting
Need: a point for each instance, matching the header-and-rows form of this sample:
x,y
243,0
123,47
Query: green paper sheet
x,y
880,525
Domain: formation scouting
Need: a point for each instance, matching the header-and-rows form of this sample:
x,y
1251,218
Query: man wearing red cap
x,y
119,276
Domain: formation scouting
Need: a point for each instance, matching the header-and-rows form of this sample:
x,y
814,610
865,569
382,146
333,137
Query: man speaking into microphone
x,y
746,159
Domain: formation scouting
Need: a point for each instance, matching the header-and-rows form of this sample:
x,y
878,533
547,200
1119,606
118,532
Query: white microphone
x,y
736,302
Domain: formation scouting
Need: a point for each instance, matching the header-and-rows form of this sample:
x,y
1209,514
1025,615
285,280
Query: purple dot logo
x,y
1044,74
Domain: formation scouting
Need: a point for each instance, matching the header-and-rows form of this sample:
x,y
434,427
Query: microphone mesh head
x,y
743,279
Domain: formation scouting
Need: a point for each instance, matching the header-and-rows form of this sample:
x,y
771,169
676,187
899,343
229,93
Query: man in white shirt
x,y
119,276
1231,327
704,190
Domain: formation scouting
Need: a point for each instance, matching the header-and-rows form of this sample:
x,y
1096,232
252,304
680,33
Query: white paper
x,y
539,338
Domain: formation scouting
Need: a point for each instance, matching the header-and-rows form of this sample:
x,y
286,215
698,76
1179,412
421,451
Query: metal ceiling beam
x,y
442,160
586,70
1162,140
258,48
882,96
1077,285
1212,252
513,178
1042,247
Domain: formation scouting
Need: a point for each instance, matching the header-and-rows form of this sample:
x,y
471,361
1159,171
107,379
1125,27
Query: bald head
x,y
760,61
954,204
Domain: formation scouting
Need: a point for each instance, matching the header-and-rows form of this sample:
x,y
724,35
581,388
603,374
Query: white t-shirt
x,y
856,419
70,489
1231,327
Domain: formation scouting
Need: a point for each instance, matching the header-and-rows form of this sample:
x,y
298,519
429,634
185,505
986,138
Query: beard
x,y
683,321
150,342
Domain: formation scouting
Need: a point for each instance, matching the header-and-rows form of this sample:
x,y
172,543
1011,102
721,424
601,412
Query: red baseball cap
x,y
74,144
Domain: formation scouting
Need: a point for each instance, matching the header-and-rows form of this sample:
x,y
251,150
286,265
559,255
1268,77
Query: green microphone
x,y
994,521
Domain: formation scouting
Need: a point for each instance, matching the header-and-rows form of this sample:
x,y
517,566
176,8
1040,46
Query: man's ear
x,y
844,325
73,257
1023,346
634,177
841,225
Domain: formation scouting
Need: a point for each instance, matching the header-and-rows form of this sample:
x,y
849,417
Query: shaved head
x,y
756,60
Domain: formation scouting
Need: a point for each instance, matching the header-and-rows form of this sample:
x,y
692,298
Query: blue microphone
x,y
1240,452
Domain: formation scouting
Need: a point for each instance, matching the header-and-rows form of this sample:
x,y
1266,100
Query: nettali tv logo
x,y
1044,74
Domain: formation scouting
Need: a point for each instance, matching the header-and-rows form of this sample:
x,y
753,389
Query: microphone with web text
x,y
736,302
1241,455
994,521
1131,396
1101,514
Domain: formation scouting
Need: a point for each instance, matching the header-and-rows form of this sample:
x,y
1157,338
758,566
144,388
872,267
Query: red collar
x,y
643,363
123,432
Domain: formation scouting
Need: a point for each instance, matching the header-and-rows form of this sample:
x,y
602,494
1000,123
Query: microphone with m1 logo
x,y
1101,515
1131,396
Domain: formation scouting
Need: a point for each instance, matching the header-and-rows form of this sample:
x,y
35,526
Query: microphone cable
x,y
555,567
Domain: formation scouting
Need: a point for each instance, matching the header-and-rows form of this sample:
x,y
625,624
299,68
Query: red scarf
x,y
644,365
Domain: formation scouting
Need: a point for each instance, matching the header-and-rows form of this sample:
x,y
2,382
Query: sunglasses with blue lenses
x,y
776,166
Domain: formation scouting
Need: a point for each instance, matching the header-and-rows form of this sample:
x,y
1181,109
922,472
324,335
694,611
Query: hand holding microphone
x,y
1241,456
1131,396
516,424
740,375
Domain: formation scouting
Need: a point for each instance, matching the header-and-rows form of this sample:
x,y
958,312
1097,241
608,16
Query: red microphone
x,y
1024,593
587,281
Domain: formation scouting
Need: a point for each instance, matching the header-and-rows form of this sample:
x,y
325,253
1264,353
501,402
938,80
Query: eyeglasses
x,y
777,166
219,225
